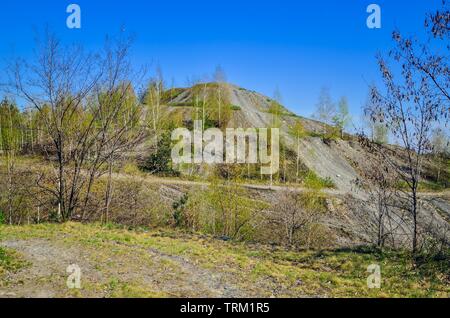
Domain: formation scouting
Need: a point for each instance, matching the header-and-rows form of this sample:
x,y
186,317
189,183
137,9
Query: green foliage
x,y
178,210
313,181
210,103
2,217
276,110
342,118
10,262
160,162
223,210
131,168
424,186
10,124
380,133
331,134
298,130
171,94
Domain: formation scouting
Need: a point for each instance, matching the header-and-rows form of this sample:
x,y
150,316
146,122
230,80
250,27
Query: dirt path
x,y
109,273
46,274
178,182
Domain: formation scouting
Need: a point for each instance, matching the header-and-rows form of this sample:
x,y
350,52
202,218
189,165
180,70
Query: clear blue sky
x,y
298,46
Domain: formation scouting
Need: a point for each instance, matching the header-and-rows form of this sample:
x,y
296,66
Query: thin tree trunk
x,y
108,190
298,157
414,214
61,189
10,167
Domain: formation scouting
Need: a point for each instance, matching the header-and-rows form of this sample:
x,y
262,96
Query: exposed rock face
x,y
327,161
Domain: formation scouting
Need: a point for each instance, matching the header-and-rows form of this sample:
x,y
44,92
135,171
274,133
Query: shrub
x,y
295,219
223,210
313,181
332,134
160,162
131,169
179,208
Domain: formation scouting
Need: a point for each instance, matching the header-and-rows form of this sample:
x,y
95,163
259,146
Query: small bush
x,y
313,181
332,134
131,169
160,162
223,210
294,220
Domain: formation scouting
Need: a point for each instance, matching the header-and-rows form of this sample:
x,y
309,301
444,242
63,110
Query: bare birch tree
x,y
62,83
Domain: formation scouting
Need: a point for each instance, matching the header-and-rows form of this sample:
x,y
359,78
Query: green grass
x,y
313,181
424,186
10,261
431,186
182,104
259,269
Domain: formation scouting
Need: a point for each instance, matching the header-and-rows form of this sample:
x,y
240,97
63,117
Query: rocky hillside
x,y
251,109
340,160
